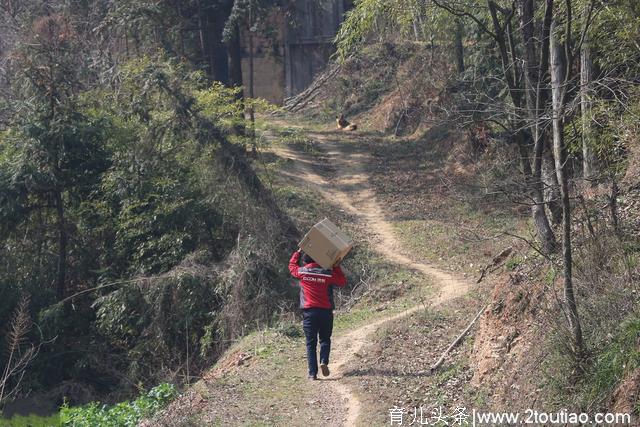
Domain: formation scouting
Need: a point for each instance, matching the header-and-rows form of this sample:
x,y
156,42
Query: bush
x,y
153,325
119,415
31,421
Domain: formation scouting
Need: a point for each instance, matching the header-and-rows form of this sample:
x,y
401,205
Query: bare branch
x,y
464,14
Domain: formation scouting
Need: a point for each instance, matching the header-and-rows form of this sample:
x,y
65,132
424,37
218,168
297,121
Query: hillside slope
x,y
337,170
425,233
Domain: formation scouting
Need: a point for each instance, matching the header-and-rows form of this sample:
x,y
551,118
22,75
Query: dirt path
x,y
349,188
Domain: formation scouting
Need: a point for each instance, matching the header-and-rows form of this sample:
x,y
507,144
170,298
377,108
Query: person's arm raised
x,y
293,265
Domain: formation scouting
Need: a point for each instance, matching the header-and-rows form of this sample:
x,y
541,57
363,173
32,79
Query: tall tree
x,y
234,48
213,15
248,18
505,39
560,71
57,151
501,31
536,72
586,77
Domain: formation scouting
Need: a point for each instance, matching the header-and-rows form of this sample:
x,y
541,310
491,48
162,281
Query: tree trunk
x,y
234,50
558,91
212,21
252,117
550,181
613,207
201,29
251,70
524,100
534,76
459,49
62,247
414,23
586,72
218,47
546,237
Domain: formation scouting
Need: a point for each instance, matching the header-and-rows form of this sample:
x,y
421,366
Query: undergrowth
x,y
128,413
616,358
124,414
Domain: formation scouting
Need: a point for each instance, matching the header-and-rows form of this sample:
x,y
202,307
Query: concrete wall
x,y
304,36
309,40
268,62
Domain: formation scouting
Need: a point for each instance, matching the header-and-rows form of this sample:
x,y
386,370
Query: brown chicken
x,y
344,124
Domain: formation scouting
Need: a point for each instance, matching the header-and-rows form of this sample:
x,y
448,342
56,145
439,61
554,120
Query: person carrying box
x,y
316,301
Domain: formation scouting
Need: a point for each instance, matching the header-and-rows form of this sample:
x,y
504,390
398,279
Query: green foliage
x,y
616,129
150,214
617,357
219,104
615,37
290,329
160,226
114,188
358,24
513,262
612,356
156,321
408,19
127,414
31,421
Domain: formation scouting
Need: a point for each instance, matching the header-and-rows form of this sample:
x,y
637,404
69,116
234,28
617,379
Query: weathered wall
x,y
268,62
304,35
268,79
309,40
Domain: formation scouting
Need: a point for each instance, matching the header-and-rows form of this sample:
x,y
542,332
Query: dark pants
x,y
317,322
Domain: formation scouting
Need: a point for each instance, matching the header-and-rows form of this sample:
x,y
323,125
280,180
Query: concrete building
x,y
298,49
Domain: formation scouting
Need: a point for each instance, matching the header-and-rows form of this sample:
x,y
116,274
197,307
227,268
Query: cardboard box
x,y
326,244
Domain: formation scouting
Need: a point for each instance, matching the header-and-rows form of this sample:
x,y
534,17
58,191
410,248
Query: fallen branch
x,y
298,102
456,342
395,132
497,260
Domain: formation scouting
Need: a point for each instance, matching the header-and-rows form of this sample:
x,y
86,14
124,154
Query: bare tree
x,y
586,77
536,92
502,32
560,70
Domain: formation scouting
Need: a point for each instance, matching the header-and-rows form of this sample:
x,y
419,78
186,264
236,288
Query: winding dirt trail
x,y
349,188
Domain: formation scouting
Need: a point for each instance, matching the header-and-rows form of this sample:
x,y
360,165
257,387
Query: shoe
x,y
325,369
313,377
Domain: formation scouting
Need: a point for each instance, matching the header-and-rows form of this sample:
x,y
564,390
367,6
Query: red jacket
x,y
316,283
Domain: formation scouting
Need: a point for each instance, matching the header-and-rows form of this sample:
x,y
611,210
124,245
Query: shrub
x,y
31,421
122,414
